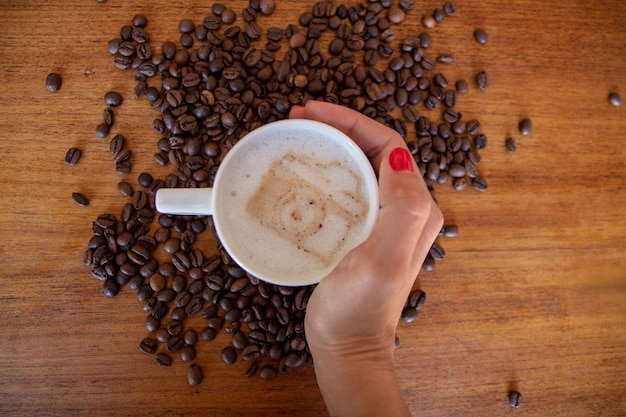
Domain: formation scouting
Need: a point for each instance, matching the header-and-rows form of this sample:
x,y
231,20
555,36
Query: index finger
x,y
375,139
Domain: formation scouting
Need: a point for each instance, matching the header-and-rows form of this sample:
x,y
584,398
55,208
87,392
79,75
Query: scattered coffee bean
x,y
525,126
163,359
511,145
80,199
188,353
451,230
252,369
461,87
117,144
145,179
429,22
481,36
148,345
194,375
125,188
113,99
229,355
479,183
102,130
515,399
268,372
615,99
482,79
107,115
266,7
72,156
449,8
53,82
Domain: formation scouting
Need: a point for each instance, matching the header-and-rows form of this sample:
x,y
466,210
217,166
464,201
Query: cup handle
x,y
185,201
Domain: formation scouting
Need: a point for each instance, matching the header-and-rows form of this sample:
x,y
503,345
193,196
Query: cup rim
x,y
365,168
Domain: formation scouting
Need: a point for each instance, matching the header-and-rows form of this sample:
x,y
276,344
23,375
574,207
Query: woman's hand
x,y
353,313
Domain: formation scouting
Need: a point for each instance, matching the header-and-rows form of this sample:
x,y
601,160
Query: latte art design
x,y
315,217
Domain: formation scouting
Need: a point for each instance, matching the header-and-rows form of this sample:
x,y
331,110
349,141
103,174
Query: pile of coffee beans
x,y
218,82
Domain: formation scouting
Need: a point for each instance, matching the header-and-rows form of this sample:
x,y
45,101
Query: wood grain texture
x,y
531,295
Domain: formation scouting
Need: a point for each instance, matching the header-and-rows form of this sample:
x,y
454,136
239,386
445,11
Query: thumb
x,y
408,220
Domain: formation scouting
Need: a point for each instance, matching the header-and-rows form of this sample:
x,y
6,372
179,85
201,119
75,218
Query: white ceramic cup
x,y
289,201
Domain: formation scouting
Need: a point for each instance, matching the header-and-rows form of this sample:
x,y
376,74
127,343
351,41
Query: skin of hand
x,y
353,313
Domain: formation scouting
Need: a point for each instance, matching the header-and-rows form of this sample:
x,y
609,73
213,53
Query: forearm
x,y
363,387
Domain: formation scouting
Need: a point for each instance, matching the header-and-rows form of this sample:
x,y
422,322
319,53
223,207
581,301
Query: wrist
x,y
359,382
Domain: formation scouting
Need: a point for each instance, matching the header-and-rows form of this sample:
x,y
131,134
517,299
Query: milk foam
x,y
292,205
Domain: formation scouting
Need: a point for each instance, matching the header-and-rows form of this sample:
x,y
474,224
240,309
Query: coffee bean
x,y
102,130
615,99
229,355
175,344
481,36
449,8
451,230
80,199
429,22
228,16
117,144
188,353
266,7
163,359
251,353
515,399
113,99
482,79
480,141
148,345
268,372
479,183
525,126
461,87
417,299
125,188
409,314
107,115
194,375
72,156
252,369
511,145
53,82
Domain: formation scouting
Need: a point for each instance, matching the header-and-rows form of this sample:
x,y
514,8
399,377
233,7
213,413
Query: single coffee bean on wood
x,y
113,98
72,156
525,126
482,79
449,8
229,355
163,359
80,199
515,399
148,345
194,375
511,145
481,36
102,130
107,115
268,372
53,82
615,99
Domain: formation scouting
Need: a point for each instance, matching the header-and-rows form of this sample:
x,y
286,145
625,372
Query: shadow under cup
x,y
289,201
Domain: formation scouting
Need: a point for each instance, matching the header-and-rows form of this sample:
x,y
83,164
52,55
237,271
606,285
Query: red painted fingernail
x,y
401,160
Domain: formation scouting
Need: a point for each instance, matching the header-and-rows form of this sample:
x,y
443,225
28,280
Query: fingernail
x,y
401,160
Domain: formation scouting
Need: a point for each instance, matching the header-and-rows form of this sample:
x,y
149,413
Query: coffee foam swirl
x,y
317,216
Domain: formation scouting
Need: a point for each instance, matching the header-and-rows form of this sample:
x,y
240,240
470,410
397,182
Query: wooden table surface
x,y
531,295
